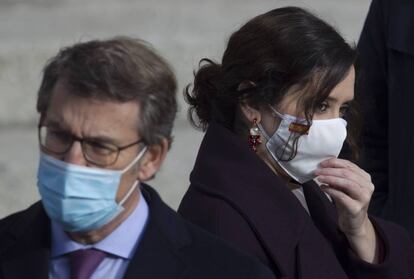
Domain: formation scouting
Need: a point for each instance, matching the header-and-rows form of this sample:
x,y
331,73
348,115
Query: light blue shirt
x,y
120,245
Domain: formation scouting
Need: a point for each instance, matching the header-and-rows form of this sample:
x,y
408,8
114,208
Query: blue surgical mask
x,y
80,198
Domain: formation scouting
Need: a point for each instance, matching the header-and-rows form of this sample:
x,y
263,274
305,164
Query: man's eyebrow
x,y
102,138
96,138
54,124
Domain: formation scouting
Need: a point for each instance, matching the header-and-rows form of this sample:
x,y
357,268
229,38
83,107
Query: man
x,y
106,115
386,51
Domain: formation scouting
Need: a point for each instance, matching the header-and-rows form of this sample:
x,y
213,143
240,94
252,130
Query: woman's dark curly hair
x,y
271,53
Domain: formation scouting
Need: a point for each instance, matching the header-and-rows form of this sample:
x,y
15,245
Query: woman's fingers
x,y
351,189
346,173
342,200
344,185
347,180
339,172
340,163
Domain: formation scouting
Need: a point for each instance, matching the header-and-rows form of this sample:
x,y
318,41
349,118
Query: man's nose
x,y
75,154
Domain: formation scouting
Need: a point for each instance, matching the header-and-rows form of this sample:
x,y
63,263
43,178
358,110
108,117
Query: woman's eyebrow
x,y
335,100
331,99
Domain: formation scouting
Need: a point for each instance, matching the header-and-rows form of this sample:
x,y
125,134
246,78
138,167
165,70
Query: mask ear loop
x,y
139,156
296,128
281,151
125,198
134,186
262,130
266,135
276,113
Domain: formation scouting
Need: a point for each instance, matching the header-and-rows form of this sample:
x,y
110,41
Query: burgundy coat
x,y
235,195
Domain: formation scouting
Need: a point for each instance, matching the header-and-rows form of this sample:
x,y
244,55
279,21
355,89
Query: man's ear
x,y
152,160
250,113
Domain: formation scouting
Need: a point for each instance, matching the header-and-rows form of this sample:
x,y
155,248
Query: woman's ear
x,y
250,113
152,160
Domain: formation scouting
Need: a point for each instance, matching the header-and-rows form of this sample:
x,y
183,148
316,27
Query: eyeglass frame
x,y
81,140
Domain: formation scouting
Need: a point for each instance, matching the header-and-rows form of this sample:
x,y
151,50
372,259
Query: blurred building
x,y
184,31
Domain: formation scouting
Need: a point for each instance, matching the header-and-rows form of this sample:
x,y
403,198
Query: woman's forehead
x,y
344,91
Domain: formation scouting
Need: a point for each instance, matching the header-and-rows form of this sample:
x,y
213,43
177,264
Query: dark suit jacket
x,y
235,195
170,248
386,51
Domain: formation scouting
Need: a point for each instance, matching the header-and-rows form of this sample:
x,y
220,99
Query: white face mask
x,y
324,140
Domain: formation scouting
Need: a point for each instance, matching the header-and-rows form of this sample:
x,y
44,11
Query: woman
x,y
267,178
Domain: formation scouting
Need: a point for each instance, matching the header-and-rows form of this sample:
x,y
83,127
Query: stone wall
x,y
184,31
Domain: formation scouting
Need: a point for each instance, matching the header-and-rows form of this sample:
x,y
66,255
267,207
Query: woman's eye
x,y
343,110
323,107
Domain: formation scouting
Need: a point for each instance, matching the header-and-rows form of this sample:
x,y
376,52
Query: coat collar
x,y
164,237
227,168
28,254
325,218
322,211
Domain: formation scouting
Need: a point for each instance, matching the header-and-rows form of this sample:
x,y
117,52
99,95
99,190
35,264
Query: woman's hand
x,y
351,189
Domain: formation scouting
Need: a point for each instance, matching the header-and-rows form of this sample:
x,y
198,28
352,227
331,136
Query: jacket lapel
x,y
325,218
321,209
158,254
28,254
255,192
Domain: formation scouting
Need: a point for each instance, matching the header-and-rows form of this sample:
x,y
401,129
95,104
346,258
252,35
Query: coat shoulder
x,y
205,254
213,213
223,219
17,223
200,208
218,259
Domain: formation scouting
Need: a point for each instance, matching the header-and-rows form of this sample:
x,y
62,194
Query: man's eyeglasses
x,y
95,152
